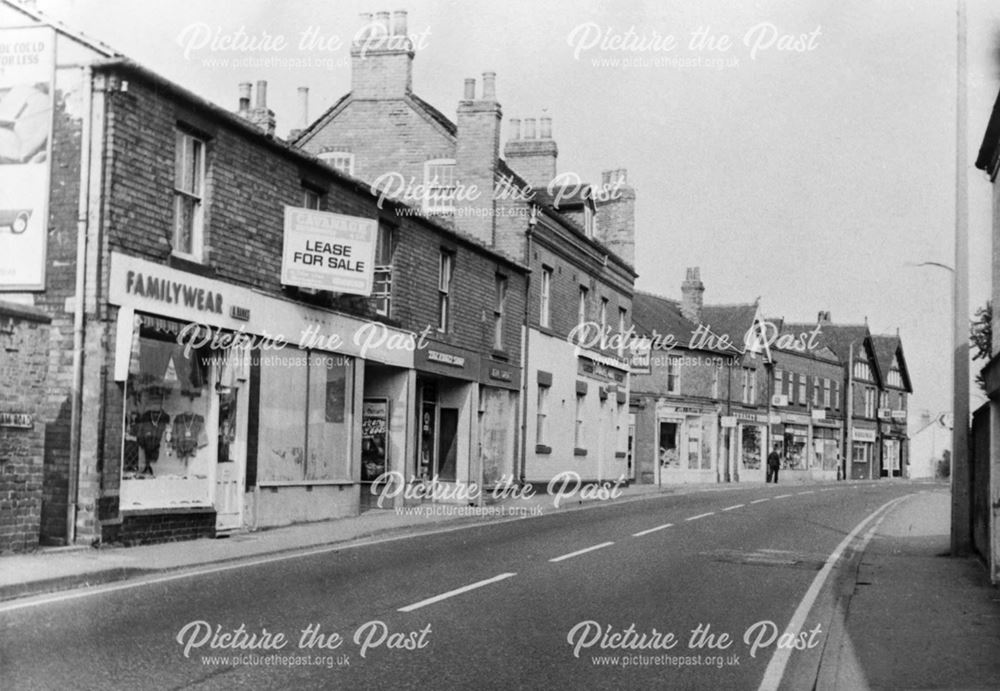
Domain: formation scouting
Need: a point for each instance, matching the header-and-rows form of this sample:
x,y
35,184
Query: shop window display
x,y
166,451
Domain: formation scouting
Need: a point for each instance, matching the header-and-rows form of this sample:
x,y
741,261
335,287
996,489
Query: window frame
x,y
499,310
446,274
330,158
448,206
545,298
195,196
673,375
581,308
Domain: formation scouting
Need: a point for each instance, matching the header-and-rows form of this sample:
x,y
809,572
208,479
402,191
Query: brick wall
x,y
790,363
24,339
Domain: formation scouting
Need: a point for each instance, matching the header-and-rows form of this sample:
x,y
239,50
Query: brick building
x,y
577,239
699,400
213,394
806,395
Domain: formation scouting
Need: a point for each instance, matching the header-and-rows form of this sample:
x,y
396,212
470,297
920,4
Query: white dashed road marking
x,y
582,551
652,530
701,515
457,591
734,506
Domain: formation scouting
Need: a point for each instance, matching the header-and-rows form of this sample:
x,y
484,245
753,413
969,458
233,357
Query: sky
x,y
803,152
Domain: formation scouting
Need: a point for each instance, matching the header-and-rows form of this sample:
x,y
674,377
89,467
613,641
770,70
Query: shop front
x,y
685,443
863,440
240,410
499,384
893,445
602,417
751,449
447,386
826,454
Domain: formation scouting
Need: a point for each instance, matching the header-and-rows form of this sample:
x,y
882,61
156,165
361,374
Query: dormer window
x,y
439,186
341,160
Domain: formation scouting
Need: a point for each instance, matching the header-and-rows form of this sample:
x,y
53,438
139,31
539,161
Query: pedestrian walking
x,y
773,465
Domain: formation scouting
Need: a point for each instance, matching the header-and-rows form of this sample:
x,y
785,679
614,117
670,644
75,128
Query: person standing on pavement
x,y
773,464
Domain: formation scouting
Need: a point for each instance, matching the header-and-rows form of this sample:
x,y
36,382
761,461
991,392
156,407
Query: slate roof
x,y
654,313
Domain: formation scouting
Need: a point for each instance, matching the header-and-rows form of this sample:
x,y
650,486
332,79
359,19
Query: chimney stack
x,y
515,128
477,154
470,89
533,155
823,318
303,113
692,295
616,214
399,23
382,57
260,115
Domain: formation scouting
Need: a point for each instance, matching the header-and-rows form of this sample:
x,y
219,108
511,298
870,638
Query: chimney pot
x,y
382,23
399,23
366,26
529,128
515,128
262,94
470,89
489,86
304,106
244,102
546,128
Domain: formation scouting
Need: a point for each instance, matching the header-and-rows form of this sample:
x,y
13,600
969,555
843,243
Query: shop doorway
x,y
438,452
229,475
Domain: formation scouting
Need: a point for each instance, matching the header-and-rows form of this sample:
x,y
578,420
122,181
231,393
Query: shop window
x,y
167,456
499,305
544,307
382,280
498,424
189,195
304,421
750,447
439,186
694,450
445,268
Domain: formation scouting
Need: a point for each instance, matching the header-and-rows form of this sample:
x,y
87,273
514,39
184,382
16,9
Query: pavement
x,y
913,617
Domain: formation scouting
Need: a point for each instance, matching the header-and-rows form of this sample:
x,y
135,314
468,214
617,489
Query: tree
x,y
981,337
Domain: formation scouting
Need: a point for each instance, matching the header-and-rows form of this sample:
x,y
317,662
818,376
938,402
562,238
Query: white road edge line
x,y
806,492
733,507
581,551
757,501
652,530
701,515
453,593
776,667
782,496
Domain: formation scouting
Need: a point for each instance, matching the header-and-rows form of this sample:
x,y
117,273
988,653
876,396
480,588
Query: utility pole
x,y
961,523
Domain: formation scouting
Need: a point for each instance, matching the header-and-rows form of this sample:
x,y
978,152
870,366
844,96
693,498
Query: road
x,y
675,591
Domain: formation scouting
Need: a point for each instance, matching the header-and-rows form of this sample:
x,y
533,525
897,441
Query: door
x,y
447,444
231,461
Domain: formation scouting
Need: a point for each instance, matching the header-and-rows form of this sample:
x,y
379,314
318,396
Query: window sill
x,y
579,452
190,265
543,449
500,355
621,454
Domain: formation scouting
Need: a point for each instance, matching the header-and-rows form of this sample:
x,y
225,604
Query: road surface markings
x,y
782,496
776,667
582,551
701,515
734,506
758,501
808,492
457,591
652,530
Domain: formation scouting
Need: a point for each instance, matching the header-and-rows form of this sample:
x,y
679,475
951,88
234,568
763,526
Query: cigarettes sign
x,y
326,251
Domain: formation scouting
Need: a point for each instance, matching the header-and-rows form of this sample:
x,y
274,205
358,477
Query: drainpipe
x,y
849,412
76,391
532,220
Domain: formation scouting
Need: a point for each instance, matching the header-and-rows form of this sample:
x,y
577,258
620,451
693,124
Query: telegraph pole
x,y
961,523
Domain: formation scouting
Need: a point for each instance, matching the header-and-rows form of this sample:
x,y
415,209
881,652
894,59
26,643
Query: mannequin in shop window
x,y
149,428
188,434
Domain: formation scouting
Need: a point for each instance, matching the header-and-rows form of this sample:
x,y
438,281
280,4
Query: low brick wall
x,y
24,356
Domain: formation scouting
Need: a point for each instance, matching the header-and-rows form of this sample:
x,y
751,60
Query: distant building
x,y
929,442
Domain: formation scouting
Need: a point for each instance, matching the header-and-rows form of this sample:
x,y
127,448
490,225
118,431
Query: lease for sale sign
x,y
327,251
